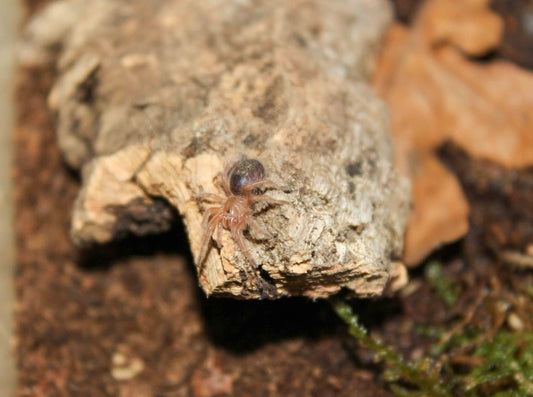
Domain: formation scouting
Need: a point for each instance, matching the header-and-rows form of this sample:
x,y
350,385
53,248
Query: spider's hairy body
x,y
234,212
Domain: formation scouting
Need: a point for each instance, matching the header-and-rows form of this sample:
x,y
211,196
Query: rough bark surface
x,y
154,98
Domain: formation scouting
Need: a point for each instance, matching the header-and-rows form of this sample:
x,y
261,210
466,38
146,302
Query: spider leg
x,y
239,238
209,197
222,179
270,183
219,237
265,183
267,199
207,237
256,228
208,214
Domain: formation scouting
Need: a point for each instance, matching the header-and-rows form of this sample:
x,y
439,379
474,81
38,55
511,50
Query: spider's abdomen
x,y
244,172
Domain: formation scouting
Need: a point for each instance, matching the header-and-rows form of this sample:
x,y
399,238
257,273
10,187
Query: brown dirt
x,y
87,320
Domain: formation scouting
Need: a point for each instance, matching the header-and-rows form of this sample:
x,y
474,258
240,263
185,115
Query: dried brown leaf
x,y
436,92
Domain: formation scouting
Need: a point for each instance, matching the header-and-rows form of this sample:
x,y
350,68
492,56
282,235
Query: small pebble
x,y
515,322
125,369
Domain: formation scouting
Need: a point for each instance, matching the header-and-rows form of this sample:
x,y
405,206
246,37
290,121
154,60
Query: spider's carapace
x,y
240,183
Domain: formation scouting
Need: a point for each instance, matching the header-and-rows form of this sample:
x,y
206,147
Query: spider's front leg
x,y
209,197
267,199
222,181
265,183
239,238
253,225
210,212
209,229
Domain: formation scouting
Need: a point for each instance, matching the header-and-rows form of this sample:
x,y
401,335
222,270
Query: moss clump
x,y
501,365
506,366
445,288
422,374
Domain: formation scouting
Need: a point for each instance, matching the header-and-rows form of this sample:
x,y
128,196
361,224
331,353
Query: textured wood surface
x,y
155,98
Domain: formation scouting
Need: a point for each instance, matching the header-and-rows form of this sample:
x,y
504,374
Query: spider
x,y
234,213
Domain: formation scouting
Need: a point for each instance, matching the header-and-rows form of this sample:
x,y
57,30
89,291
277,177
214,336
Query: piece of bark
x,y
154,98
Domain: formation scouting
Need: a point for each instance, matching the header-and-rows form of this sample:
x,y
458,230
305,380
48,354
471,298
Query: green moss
x,y
444,286
504,363
421,374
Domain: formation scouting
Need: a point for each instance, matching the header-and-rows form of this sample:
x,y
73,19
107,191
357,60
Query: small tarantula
x,y
240,182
